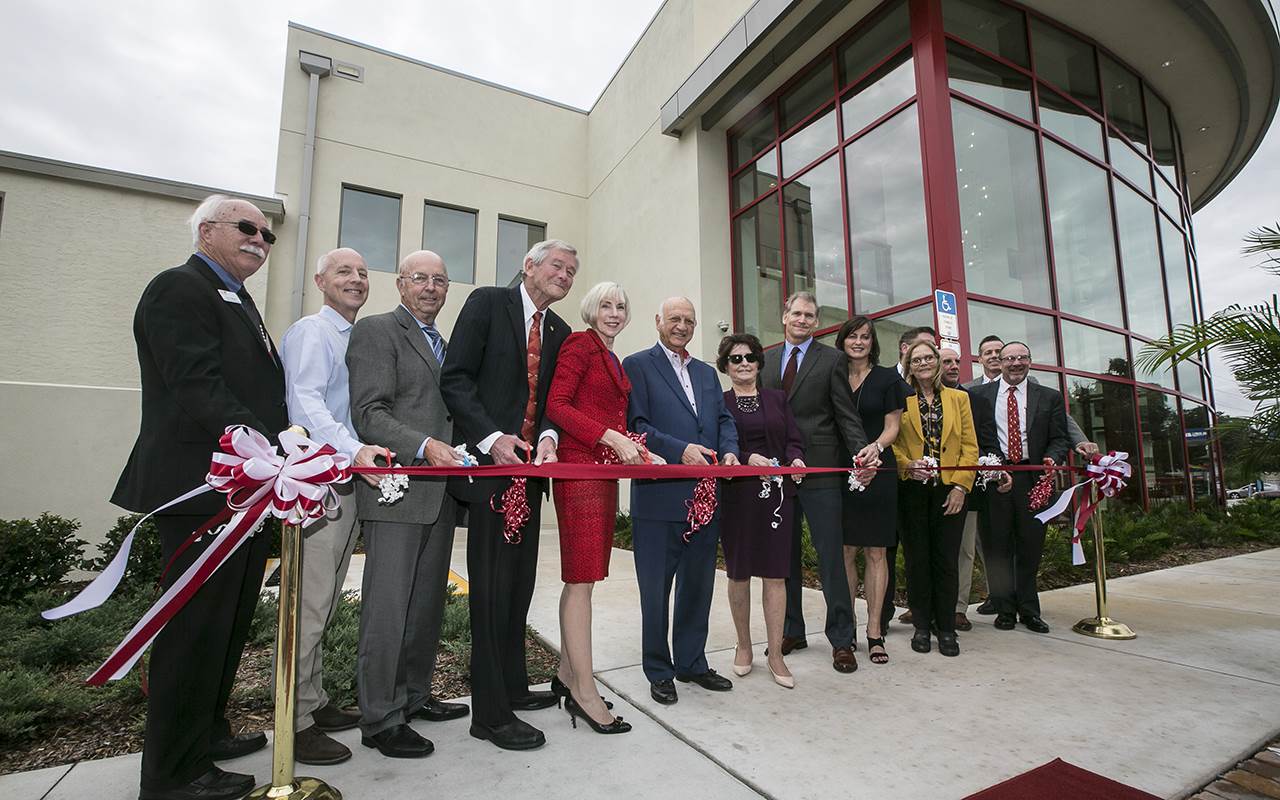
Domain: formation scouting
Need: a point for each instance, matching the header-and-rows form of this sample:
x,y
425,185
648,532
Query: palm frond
x,y
1265,240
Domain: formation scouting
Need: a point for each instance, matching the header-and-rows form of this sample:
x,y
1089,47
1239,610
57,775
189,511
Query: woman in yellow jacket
x,y
938,423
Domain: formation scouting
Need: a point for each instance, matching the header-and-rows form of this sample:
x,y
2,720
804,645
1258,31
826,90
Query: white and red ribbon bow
x,y
1109,474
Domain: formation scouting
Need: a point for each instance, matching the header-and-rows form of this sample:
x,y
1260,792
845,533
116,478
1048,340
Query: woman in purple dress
x,y
756,531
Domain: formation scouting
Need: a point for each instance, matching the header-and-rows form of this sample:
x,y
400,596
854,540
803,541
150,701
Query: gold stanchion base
x,y
1104,628
300,789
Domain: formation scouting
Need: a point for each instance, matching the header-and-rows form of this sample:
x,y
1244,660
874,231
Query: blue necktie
x,y
437,342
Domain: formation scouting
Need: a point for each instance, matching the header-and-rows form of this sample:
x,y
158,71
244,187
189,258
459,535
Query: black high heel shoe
x,y
561,690
575,711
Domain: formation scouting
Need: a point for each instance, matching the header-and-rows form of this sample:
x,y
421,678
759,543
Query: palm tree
x,y
1248,338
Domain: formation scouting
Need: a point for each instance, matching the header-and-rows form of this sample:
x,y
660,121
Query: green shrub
x,y
266,614
455,631
145,560
622,532
340,643
36,555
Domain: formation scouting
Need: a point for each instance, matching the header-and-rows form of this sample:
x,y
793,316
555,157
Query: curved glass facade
x,y
1046,192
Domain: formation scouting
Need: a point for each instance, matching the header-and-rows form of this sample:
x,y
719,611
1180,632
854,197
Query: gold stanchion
x,y
283,782
1101,626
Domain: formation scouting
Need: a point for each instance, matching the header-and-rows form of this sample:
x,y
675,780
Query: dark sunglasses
x,y
248,229
738,358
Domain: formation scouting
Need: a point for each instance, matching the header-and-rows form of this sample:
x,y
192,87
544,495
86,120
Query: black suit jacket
x,y
203,367
812,405
984,420
484,380
1046,421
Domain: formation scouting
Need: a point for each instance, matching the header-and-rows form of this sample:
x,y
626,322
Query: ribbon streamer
x,y
702,506
1109,474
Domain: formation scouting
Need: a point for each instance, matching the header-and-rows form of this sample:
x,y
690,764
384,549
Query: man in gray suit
x,y
394,360
802,368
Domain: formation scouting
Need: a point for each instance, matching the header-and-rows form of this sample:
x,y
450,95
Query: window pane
x,y
1168,198
1161,124
1104,411
370,225
889,328
807,96
1001,220
1066,62
814,223
1162,376
1091,349
514,241
1175,272
1122,92
873,44
810,142
758,268
887,228
754,135
992,26
881,91
1129,164
1047,379
451,233
1200,463
1013,325
1066,119
1189,379
1140,257
1084,255
756,179
1162,446
989,81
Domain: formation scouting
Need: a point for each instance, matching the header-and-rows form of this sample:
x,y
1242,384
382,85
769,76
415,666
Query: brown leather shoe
x,y
962,622
906,618
792,643
314,746
843,660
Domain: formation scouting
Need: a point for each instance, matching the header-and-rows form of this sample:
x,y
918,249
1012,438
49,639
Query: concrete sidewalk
x,y
1198,689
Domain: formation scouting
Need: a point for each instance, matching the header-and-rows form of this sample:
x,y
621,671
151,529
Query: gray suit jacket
x,y
396,402
811,404
1074,432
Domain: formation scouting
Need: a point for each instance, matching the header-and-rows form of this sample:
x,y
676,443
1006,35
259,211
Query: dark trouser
x,y
501,577
194,659
406,577
661,556
933,548
1012,543
821,507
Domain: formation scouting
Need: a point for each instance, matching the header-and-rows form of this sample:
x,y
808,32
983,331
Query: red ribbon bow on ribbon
x,y
702,507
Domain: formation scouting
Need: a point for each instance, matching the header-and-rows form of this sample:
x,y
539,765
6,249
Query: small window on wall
x,y
451,234
515,237
370,224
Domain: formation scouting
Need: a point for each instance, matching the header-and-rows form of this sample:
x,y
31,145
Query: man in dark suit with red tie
x,y
206,362
495,381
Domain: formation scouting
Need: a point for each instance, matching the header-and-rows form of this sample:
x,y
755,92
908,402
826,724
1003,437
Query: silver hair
x,y
207,210
808,297
539,252
325,261
418,254
676,299
605,290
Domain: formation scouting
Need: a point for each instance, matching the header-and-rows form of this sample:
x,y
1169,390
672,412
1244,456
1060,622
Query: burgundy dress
x,y
588,394
753,547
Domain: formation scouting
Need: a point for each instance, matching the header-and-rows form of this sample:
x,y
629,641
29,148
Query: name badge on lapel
x,y
229,296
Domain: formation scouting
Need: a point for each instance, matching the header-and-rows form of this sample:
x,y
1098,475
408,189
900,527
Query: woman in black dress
x,y
877,395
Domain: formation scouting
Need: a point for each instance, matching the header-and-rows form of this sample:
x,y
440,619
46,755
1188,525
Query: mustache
x,y
254,250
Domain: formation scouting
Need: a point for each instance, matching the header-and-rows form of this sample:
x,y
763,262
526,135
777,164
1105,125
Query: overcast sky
x,y
191,92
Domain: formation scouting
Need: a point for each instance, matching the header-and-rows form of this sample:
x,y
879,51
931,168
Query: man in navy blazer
x,y
676,400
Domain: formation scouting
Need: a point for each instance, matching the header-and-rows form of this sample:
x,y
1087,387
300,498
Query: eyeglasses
x,y
418,279
920,361
1015,359
247,228
738,358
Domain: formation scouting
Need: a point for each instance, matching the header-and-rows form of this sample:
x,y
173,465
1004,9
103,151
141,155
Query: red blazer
x,y
588,394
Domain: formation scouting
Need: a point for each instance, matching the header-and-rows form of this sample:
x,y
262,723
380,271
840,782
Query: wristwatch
x,y
879,446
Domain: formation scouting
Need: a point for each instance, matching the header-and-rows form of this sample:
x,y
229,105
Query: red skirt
x,y
587,512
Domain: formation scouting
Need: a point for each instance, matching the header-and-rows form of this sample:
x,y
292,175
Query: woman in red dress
x,y
588,401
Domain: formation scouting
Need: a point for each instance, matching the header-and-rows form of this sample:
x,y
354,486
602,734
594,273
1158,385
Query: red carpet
x,y
1059,780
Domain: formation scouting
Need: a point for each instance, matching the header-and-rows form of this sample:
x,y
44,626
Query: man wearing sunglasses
x,y
206,362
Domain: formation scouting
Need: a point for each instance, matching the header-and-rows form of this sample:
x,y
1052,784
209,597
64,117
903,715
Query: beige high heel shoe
x,y
785,681
741,670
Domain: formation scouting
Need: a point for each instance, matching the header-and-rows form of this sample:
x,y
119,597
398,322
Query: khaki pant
x,y
968,548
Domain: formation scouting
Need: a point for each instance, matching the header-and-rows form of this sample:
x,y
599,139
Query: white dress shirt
x,y
681,368
529,309
787,347
317,386
1002,414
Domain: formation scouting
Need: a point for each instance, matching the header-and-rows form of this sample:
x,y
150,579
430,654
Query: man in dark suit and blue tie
x,y
677,402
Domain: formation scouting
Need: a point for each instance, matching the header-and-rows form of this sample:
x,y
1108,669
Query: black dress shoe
x,y
214,784
920,641
331,719
1005,622
440,711
948,645
1035,624
708,680
534,701
516,735
236,746
314,746
987,608
399,741
663,692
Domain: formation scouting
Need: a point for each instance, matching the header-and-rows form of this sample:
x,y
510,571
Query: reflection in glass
x,y
1122,92
1175,273
1104,410
1091,349
879,93
1066,62
1066,119
1084,255
1162,446
1013,325
1001,220
756,179
1047,379
814,226
889,328
514,240
993,26
1189,379
758,271
370,224
1161,125
1140,260
887,227
1168,198
451,234
807,96
873,44
1129,164
808,143
989,81
754,135
1161,376
1200,460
